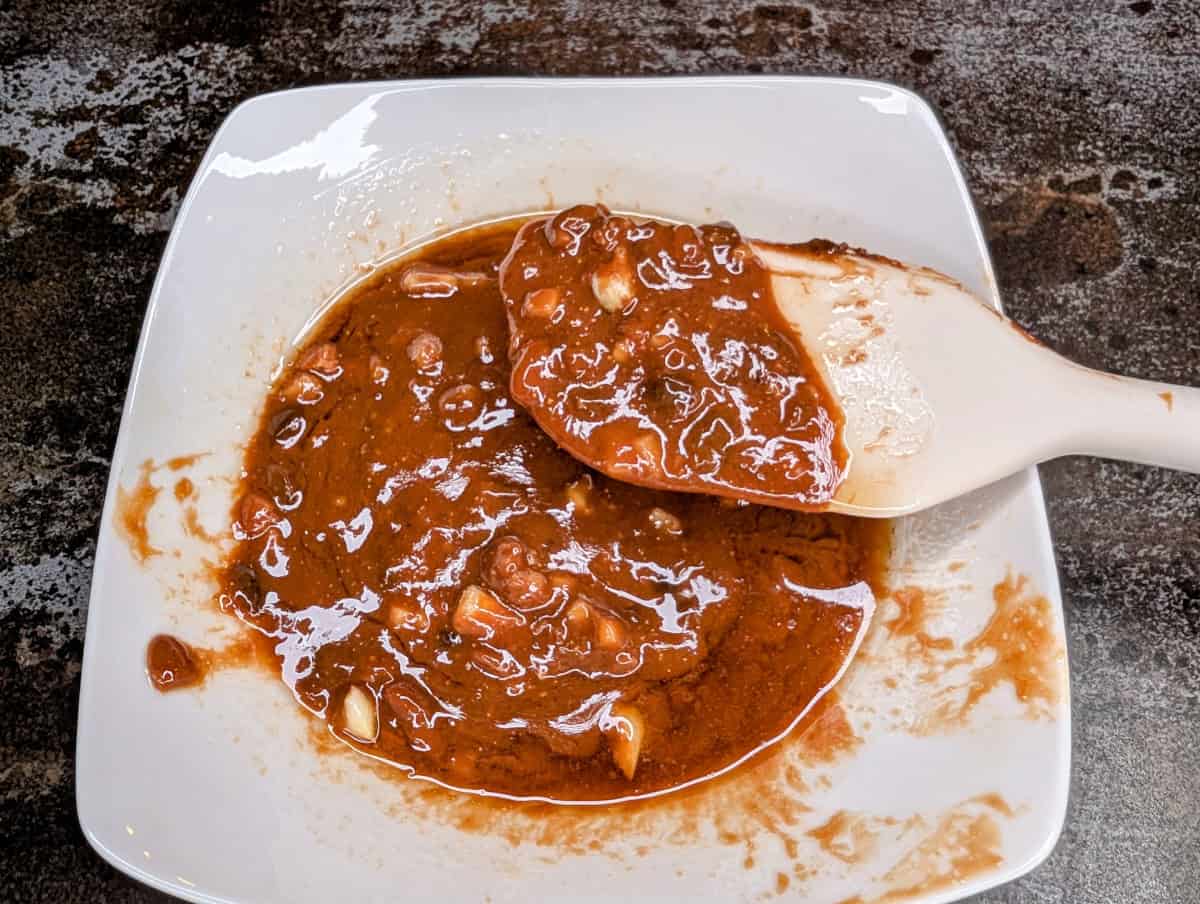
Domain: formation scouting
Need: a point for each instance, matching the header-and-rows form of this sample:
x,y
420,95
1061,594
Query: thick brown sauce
x,y
656,354
454,594
172,664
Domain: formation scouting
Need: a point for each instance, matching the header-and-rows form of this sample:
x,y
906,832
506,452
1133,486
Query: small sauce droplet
x,y
184,488
171,664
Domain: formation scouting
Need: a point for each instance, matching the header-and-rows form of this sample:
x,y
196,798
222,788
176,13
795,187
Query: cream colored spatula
x,y
942,395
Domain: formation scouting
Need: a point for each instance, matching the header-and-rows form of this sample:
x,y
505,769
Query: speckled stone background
x,y
1078,124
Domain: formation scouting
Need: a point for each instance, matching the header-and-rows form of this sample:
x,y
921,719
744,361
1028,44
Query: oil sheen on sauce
x,y
656,354
454,594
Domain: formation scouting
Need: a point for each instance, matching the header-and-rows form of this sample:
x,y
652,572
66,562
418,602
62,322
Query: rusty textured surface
x,y
1080,134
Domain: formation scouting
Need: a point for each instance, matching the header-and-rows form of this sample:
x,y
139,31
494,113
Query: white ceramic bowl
x,y
222,795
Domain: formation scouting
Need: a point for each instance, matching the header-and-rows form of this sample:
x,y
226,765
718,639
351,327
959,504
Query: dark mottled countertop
x,y
1079,129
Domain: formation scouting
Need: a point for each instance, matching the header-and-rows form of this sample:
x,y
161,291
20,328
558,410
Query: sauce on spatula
x,y
655,353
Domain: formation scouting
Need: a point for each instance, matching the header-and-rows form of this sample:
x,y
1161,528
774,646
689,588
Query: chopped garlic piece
x,y
360,715
612,283
625,729
610,633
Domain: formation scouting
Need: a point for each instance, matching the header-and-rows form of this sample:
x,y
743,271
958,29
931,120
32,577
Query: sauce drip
x,y
656,354
454,594
171,664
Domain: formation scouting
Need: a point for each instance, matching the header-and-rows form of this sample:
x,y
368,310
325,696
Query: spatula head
x,y
940,393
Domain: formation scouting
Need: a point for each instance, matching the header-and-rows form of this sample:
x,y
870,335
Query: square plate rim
x,y
932,120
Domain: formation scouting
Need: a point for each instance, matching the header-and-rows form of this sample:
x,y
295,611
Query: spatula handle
x,y
1132,420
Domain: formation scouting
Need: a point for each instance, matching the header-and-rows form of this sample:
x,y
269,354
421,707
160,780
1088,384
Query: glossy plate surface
x,y
221,794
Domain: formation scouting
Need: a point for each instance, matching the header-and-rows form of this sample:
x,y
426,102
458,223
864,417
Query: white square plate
x,y
221,794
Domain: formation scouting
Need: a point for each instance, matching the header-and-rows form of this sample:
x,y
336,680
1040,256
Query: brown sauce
x,y
965,842
1019,647
763,800
134,504
1021,637
133,510
454,594
916,606
829,735
848,836
179,462
657,355
172,664
193,527
184,488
